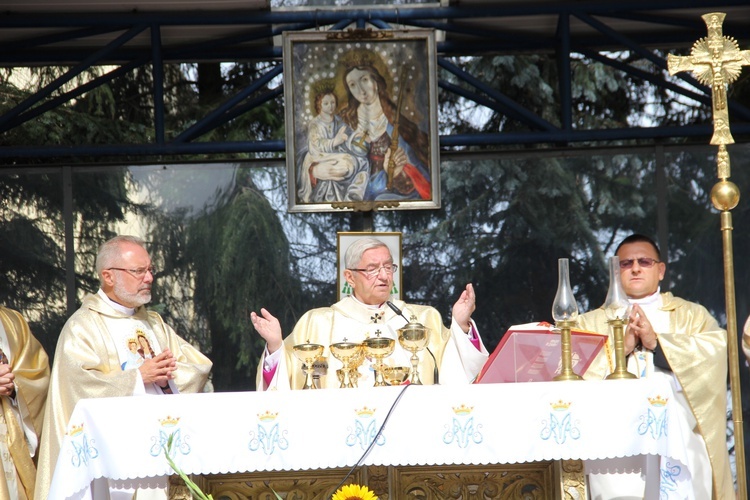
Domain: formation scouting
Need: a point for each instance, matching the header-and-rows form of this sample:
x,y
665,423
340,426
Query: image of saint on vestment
x,y
135,343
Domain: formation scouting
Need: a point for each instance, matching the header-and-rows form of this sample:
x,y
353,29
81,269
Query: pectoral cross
x,y
716,61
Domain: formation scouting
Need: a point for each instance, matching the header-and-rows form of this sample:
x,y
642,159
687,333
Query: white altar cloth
x,y
122,438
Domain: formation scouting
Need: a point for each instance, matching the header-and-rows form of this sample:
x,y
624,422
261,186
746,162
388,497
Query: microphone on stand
x,y
435,373
397,310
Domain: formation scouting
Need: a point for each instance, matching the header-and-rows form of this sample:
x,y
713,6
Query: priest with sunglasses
x,y
667,336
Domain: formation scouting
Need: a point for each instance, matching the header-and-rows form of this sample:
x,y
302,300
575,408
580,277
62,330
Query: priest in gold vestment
x,y
670,337
94,355
24,377
459,353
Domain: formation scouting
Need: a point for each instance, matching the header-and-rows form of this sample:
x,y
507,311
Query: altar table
x,y
602,423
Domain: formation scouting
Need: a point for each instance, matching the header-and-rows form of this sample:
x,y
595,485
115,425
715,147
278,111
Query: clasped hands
x,y
159,369
7,386
639,331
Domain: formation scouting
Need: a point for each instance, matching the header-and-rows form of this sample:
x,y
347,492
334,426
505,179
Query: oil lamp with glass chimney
x,y
617,310
565,313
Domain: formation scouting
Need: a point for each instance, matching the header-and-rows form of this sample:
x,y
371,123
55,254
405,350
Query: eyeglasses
x,y
646,262
139,273
372,272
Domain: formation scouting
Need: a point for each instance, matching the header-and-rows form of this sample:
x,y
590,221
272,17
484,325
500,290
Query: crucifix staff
x,y
717,61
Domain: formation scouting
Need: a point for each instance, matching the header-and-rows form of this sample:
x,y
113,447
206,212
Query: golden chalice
x,y
354,363
308,354
414,337
395,375
346,352
379,348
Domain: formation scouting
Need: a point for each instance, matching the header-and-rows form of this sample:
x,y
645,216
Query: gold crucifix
x,y
716,61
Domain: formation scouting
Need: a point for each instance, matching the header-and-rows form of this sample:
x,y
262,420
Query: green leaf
x,y
194,489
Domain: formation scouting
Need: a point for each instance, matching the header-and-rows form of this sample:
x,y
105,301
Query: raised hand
x,y
268,327
464,307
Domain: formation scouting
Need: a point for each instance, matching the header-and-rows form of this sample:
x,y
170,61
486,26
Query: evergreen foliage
x,y
504,222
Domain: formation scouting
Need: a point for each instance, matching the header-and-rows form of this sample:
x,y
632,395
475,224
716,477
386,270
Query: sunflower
x,y
354,492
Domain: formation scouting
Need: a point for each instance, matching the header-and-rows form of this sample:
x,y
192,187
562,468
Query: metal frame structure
x,y
31,36
87,33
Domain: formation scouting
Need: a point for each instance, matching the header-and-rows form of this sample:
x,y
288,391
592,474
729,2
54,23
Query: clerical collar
x,y
653,299
368,306
128,311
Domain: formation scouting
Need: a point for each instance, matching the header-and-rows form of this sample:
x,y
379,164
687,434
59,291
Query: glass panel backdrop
x,y
224,245
32,253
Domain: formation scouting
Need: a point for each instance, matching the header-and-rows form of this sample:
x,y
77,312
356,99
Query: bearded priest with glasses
x,y
98,356
667,336
458,351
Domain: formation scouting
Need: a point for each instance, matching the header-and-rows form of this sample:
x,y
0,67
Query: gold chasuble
x,y
22,419
87,365
696,348
457,360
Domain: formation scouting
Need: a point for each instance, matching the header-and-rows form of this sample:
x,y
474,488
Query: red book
x,y
532,353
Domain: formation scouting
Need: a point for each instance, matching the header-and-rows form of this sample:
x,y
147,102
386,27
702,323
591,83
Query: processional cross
x,y
717,61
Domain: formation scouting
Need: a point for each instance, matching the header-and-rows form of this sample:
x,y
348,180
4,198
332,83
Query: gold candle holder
x,y
617,310
565,312
566,373
308,354
621,369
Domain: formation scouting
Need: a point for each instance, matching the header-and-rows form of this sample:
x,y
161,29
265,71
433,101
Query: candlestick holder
x,y
565,312
617,309
621,370
566,372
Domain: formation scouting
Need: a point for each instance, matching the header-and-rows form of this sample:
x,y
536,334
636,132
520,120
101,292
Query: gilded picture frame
x,y
345,239
345,149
